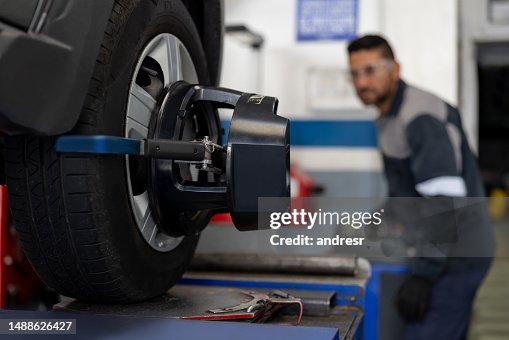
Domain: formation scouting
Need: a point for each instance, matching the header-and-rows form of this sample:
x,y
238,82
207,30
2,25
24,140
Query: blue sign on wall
x,y
326,20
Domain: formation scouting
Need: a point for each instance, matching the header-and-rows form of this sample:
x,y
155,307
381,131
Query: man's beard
x,y
382,98
378,100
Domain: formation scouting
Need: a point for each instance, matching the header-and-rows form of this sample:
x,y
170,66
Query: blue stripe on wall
x,y
328,133
332,133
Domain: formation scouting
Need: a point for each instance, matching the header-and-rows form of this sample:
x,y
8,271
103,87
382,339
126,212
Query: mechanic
x,y
425,154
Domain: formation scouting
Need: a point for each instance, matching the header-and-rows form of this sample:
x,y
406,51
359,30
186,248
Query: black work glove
x,y
412,300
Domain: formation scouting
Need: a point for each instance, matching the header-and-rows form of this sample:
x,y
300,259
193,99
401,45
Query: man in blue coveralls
x,y
426,155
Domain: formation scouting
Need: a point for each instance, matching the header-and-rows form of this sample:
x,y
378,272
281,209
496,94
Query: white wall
x,y
424,35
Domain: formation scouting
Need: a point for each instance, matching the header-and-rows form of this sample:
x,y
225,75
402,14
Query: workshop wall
x,y
310,78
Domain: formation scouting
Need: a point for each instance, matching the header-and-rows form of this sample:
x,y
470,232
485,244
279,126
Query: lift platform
x,y
333,307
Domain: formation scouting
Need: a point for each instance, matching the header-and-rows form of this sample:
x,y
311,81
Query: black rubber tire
x,y
71,212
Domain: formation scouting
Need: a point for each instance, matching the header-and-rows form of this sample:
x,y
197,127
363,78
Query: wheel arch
x,y
211,29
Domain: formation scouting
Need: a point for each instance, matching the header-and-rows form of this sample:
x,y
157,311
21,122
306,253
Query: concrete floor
x,y
490,316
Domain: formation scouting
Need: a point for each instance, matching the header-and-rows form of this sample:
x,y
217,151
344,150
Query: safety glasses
x,y
370,70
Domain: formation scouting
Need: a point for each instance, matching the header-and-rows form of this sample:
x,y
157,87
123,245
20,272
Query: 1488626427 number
x,y
40,325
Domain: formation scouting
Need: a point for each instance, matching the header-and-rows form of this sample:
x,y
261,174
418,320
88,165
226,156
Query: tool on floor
x,y
259,308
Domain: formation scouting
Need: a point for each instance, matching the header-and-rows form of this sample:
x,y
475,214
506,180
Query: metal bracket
x,y
194,151
254,164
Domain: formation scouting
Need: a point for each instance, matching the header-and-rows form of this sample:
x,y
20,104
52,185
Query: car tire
x,y
73,213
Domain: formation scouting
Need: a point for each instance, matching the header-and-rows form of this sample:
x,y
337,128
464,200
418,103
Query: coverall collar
x,y
398,99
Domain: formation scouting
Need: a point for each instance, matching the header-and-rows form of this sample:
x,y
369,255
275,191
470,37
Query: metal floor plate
x,y
192,300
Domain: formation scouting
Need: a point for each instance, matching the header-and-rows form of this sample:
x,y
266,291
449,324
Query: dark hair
x,y
371,42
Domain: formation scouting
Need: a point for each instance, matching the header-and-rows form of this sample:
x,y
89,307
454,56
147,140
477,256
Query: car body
x,y
48,49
